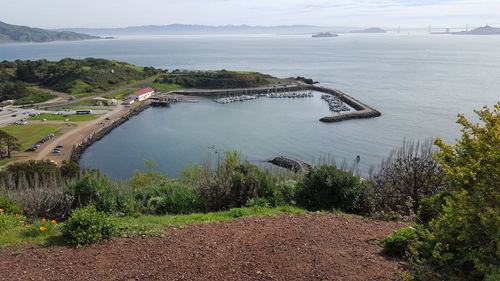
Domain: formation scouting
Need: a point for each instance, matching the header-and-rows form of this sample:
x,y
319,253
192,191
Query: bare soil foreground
x,y
302,247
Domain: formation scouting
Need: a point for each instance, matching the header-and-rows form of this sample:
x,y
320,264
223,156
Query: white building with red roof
x,y
143,94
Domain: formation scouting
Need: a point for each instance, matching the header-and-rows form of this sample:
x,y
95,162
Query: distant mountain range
x,y
185,29
17,33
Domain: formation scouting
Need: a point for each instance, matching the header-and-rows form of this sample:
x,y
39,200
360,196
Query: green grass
x,y
71,117
121,94
155,225
5,161
162,86
29,134
35,96
150,225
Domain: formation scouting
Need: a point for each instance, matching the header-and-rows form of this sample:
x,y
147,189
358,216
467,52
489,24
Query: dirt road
x,y
304,247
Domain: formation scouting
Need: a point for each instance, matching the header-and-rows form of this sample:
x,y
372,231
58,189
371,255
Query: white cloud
x,y
113,13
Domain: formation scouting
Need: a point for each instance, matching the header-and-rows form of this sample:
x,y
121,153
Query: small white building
x,y
143,94
128,101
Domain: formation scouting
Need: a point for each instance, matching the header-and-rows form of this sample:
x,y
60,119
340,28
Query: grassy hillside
x,y
214,79
76,77
11,32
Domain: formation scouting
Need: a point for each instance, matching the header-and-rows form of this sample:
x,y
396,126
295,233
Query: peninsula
x,y
17,33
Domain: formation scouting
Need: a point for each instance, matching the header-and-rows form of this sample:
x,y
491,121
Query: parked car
x,y
59,146
56,151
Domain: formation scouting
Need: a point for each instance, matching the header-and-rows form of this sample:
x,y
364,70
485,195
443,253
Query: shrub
x,y
87,226
97,190
397,244
43,202
171,197
431,207
8,206
462,241
232,182
407,176
327,188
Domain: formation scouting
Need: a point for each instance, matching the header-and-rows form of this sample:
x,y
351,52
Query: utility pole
x,y
429,28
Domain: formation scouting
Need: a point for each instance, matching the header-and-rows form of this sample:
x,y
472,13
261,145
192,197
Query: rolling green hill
x,y
216,79
72,76
9,33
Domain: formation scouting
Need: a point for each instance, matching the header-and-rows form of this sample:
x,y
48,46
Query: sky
x,y
122,13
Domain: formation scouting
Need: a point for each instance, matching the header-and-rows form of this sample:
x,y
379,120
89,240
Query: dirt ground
x,y
302,247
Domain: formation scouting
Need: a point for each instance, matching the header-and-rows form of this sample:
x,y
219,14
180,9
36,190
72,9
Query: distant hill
x,y
17,33
485,30
185,29
370,30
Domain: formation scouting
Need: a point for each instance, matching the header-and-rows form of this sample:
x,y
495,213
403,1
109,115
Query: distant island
x,y
17,33
324,34
370,30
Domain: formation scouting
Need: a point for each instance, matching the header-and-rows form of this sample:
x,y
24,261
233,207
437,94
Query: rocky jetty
x,y
291,164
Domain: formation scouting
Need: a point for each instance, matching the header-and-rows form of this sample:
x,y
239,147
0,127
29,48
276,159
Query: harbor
x,y
231,99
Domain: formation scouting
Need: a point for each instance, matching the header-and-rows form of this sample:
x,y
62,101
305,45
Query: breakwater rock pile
x,y
291,164
362,110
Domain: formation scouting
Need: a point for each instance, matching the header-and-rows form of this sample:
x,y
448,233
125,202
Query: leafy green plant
x,y
326,188
258,202
396,244
87,226
10,221
8,206
170,197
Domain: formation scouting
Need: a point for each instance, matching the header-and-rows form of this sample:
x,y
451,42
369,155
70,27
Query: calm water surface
x,y
418,82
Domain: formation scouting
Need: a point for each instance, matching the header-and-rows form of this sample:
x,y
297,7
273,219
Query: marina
x,y
231,99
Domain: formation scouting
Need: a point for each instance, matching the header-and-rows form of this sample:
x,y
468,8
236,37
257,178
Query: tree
x,y
12,144
463,241
9,142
